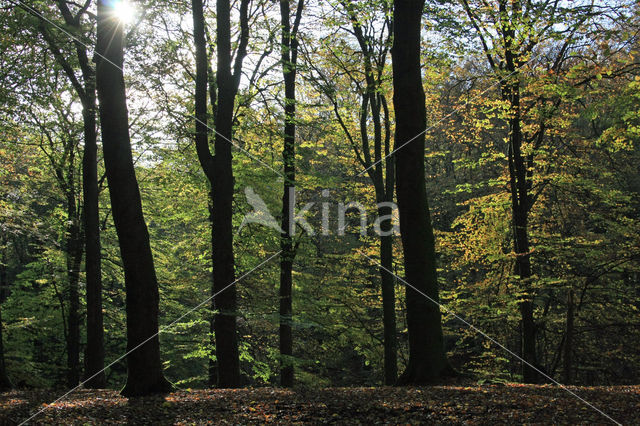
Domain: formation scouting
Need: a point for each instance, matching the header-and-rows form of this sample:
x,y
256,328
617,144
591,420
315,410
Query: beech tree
x,y
218,168
510,34
427,360
86,91
289,59
366,69
144,367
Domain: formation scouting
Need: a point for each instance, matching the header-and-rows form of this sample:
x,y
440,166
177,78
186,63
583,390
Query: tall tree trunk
x,y
520,216
374,99
427,359
144,367
223,88
384,194
202,133
222,186
5,383
289,59
94,354
519,186
568,340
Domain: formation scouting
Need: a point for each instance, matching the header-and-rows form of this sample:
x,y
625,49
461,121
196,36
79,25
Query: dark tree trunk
x,y
5,383
227,354
388,301
144,367
520,216
94,354
219,171
510,22
289,59
74,259
202,138
384,194
568,340
427,360
374,100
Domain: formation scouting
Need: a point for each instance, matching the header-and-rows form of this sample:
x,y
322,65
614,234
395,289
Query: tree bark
x,y
289,59
374,100
223,87
427,360
388,302
227,354
205,157
94,354
520,205
144,367
568,340
74,259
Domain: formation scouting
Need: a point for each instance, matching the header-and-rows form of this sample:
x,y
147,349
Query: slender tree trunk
x,y
224,304
520,213
202,141
144,367
384,194
373,98
5,383
286,315
74,259
427,360
223,260
289,47
519,186
568,340
94,354
388,301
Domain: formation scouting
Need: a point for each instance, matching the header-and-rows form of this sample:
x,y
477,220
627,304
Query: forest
x,y
379,206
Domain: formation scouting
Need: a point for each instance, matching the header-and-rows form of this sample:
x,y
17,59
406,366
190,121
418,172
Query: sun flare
x,y
124,11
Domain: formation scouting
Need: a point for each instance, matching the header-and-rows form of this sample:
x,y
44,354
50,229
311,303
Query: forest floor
x,y
477,404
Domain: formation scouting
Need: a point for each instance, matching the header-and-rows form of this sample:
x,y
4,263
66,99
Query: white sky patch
x,y
124,11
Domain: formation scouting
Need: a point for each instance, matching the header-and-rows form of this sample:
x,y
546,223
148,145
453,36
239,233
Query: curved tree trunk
x,y
427,360
144,367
